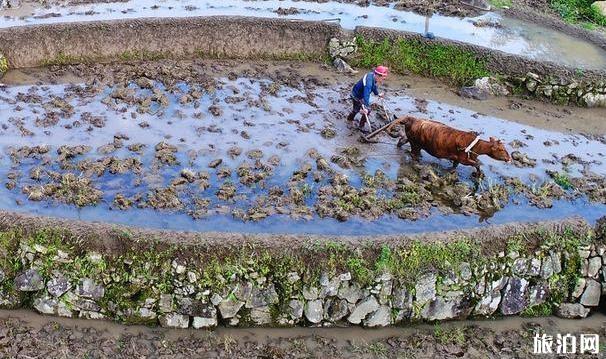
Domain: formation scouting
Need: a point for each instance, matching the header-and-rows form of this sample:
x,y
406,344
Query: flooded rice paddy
x,y
490,30
267,149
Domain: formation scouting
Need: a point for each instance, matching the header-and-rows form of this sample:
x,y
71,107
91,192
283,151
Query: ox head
x,y
498,151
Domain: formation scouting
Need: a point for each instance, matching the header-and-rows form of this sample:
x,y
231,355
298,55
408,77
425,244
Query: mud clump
x,y
121,202
226,192
215,110
164,198
287,11
70,189
165,154
328,133
522,160
69,152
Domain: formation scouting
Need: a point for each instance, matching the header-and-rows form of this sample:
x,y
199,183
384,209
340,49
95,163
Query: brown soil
x,y
27,335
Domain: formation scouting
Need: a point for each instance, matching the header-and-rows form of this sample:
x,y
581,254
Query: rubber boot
x,y
351,116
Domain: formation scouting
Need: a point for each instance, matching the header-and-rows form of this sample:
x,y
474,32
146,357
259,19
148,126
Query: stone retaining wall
x,y
201,280
215,36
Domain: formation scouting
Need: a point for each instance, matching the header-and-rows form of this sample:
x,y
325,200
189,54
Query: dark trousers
x,y
357,105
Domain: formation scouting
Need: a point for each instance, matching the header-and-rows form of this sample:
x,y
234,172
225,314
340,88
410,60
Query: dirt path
x,y
25,334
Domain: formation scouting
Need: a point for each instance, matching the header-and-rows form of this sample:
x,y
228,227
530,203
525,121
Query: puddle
x,y
511,36
286,126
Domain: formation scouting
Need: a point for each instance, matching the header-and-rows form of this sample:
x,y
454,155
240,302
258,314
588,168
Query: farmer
x,y
360,95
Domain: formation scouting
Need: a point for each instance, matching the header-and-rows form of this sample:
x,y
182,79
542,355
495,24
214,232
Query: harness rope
x,y
473,143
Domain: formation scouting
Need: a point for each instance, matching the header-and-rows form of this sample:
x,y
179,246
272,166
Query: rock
x,y
474,93
58,285
442,308
313,311
514,296
343,66
380,318
520,266
579,288
174,320
384,294
492,86
205,316
89,289
90,315
201,322
465,271
311,293
344,49
244,291
425,288
584,252
330,288
229,308
488,304
262,297
571,311
260,316
335,309
556,262
402,299
600,7
3,63
147,314
293,277
594,100
63,310
29,281
361,310
46,305
166,303
295,309
547,268
350,292
345,277
538,294
86,305
531,85
591,295
595,264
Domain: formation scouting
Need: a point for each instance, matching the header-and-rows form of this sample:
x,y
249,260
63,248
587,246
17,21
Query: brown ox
x,y
449,143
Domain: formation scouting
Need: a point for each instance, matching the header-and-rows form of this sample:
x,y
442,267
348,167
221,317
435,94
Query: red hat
x,y
381,70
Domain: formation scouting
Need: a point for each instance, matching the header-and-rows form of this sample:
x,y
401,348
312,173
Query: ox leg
x,y
478,174
415,152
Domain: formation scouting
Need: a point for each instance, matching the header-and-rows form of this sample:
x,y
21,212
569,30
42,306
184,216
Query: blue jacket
x,y
362,88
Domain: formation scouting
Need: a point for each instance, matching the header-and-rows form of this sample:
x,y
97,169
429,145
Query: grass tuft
x,y
429,59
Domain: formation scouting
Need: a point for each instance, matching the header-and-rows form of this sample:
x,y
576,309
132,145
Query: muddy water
x,y
285,123
490,30
342,335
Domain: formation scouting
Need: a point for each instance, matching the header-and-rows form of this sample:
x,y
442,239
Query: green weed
x,y
437,60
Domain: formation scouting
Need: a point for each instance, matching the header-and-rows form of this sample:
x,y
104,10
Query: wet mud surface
x,y
27,335
447,19
265,147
